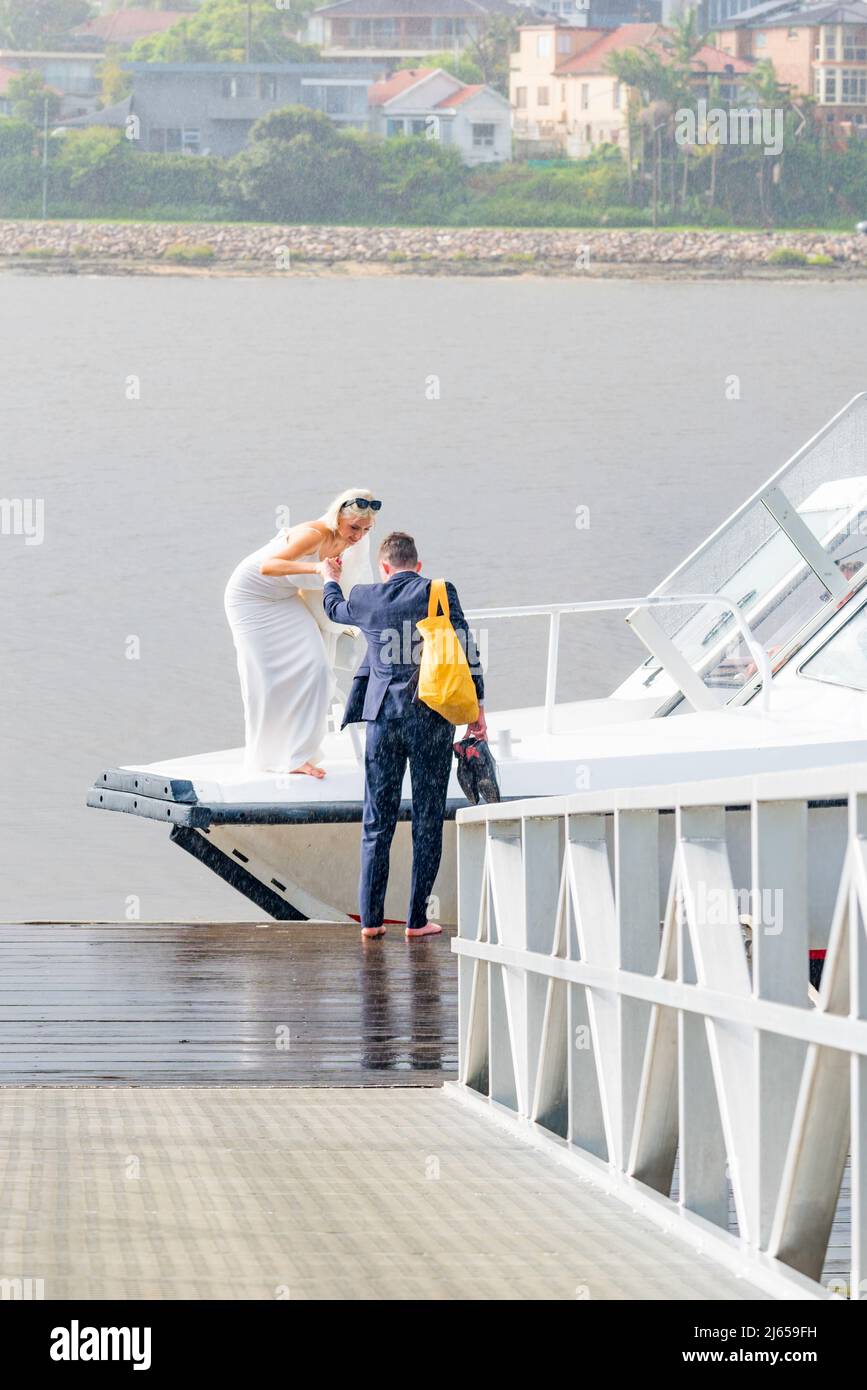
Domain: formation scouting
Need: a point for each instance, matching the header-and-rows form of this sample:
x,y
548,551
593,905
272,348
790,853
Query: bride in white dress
x,y
286,647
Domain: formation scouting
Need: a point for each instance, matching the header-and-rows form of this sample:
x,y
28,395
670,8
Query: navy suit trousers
x,y
423,739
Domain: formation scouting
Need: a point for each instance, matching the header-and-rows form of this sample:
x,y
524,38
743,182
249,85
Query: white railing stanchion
x,y
553,611
639,1048
551,675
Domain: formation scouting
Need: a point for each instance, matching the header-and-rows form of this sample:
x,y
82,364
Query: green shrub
x,y
788,255
183,254
16,138
821,259
39,253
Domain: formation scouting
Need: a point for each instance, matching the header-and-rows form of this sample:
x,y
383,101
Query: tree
x,y
290,121
115,81
491,45
40,24
461,65
28,94
217,33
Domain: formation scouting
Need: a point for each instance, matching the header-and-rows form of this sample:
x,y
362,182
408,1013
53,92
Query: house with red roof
x,y
122,28
566,101
431,104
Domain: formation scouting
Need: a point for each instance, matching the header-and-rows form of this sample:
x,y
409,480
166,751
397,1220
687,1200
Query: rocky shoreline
x,y
225,248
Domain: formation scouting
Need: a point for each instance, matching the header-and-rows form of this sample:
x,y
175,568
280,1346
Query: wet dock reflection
x,y
281,1004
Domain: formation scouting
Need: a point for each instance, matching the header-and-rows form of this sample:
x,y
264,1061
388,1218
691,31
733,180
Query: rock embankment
x,y
262,248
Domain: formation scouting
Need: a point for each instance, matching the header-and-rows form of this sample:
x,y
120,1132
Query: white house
x,y
474,119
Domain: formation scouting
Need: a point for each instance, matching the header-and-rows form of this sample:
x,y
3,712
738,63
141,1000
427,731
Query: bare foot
x,y
429,929
309,770
370,933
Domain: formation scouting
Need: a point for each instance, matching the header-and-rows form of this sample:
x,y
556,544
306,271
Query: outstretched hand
x,y
332,569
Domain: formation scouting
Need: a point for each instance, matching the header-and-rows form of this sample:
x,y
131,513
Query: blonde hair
x,y
332,514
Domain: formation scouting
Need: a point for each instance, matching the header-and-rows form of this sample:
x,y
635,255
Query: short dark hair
x,y
398,549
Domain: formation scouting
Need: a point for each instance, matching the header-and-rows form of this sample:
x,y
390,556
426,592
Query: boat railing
x,y
682,673
635,998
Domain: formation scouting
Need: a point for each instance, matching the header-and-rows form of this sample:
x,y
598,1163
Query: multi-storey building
x,y
818,50
564,98
396,28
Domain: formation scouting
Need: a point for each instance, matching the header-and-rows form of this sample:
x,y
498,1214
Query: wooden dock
x,y
281,1004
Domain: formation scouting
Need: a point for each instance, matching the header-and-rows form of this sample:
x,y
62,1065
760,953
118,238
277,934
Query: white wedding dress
x,y
292,661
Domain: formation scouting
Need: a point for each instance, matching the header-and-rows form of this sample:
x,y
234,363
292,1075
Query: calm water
x,y
257,394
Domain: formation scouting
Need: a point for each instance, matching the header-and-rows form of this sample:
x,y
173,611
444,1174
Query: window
x,y
615,96
393,127
543,45
268,88
854,87
483,136
793,33
542,97
162,141
817,86
843,658
191,141
585,95
855,44
830,86
588,134
564,43
562,91
418,127
521,98
830,37
761,39
235,88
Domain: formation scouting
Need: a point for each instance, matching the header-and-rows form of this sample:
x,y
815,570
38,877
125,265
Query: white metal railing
x,y
634,995
684,676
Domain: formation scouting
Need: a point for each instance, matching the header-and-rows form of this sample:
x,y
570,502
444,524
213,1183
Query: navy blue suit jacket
x,y
387,614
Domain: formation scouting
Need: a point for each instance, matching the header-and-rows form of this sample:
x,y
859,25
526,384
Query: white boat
x,y
757,662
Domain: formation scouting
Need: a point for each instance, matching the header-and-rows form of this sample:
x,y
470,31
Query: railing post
x,y
551,678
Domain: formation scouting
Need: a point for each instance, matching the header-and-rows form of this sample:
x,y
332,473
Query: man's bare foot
x,y
429,929
309,770
370,933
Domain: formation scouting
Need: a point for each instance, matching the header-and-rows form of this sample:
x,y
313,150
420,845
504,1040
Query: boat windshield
x,y
842,660
789,556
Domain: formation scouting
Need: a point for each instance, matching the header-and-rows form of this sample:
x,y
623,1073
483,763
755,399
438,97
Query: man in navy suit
x,y
400,729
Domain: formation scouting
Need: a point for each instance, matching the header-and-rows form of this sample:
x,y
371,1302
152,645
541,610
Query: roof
x,y
125,26
713,60
391,87
806,13
360,67
471,89
412,9
595,58
115,116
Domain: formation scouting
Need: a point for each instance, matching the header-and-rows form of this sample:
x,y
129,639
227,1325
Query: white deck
x,y
589,747
313,1194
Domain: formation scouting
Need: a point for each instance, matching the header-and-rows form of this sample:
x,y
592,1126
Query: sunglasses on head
x,y
363,503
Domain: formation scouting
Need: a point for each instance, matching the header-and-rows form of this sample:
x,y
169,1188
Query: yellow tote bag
x,y
445,683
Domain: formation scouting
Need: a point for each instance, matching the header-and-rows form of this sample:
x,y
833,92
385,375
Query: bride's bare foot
x,y
310,770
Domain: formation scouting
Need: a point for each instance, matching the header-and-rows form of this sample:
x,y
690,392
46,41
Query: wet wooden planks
x,y
295,1004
